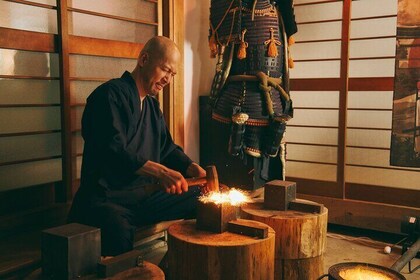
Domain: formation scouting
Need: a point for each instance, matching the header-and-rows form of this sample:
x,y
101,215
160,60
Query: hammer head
x,y
212,178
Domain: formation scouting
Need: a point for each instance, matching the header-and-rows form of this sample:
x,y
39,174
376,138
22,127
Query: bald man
x,y
133,173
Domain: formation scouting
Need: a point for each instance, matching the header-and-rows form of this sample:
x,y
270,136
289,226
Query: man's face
x,y
159,71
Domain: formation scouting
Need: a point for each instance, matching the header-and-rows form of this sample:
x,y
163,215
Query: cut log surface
x,y
300,240
198,254
148,271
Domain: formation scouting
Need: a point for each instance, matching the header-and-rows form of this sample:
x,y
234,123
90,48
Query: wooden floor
x,y
20,254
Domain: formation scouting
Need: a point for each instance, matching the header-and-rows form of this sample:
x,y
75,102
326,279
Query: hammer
x,y
211,179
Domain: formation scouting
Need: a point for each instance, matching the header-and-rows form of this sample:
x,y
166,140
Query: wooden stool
x,y
300,240
151,232
197,254
148,271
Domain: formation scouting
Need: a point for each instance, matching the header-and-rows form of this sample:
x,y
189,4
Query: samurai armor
x,y
254,83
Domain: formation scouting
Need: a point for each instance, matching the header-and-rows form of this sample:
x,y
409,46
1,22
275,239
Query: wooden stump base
x,y
148,271
196,254
309,268
300,240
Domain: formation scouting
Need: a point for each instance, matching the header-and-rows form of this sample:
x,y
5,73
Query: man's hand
x,y
195,170
172,181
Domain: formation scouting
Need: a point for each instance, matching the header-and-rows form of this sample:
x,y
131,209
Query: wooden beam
x,y
65,193
380,194
361,214
374,84
344,87
327,84
316,187
27,40
127,19
103,47
173,107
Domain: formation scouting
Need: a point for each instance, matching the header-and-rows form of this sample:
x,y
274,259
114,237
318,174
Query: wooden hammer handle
x,y
196,181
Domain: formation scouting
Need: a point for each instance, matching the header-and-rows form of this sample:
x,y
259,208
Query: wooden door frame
x,y
173,95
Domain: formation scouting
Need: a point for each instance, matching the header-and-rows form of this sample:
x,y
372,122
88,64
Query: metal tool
x,y
211,179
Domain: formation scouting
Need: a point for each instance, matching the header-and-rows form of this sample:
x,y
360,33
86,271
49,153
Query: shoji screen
x,y
312,135
372,55
52,55
111,35
338,143
30,118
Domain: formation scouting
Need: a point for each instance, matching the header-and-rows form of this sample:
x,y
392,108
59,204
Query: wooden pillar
x,y
67,188
173,95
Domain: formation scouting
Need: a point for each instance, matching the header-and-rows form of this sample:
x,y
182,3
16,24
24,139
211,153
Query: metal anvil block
x,y
278,194
70,251
215,217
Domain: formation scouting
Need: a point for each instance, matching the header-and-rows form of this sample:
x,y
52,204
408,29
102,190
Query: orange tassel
x,y
242,47
272,49
242,50
291,63
213,46
272,44
291,40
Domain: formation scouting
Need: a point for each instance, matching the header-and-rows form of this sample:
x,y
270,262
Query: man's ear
x,y
143,59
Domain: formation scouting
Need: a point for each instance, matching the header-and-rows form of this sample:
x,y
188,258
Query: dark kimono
x,y
120,137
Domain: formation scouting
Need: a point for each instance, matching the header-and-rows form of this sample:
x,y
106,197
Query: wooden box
x,y
70,251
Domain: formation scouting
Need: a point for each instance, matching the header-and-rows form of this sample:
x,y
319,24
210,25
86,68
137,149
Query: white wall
x,y
199,69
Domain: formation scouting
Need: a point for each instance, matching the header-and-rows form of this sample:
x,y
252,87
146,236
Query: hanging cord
x,y
212,40
253,9
230,31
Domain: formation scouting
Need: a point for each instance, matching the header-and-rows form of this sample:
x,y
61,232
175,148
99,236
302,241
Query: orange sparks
x,y
233,197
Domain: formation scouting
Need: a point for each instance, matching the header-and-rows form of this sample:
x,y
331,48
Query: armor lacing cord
x,y
266,83
212,39
267,92
253,9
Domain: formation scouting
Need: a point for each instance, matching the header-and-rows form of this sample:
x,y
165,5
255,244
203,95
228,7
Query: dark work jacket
x,y
120,138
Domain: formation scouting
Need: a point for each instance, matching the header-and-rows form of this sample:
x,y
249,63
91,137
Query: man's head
x,y
157,65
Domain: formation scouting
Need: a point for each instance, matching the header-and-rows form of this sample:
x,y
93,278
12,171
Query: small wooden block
x,y
308,207
112,266
278,194
244,227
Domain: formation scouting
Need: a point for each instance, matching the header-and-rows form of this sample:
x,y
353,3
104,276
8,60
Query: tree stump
x,y
148,271
198,254
300,240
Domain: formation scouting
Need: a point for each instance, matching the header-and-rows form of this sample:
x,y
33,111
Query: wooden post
x,y
195,254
